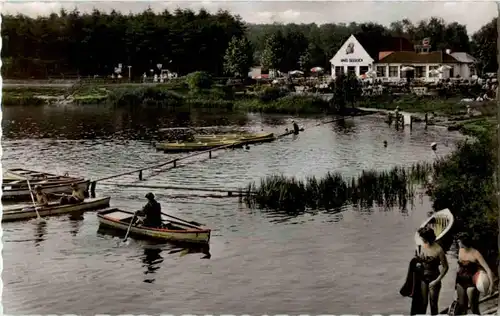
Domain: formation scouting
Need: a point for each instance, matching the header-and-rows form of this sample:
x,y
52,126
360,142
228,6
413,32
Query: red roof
x,y
418,58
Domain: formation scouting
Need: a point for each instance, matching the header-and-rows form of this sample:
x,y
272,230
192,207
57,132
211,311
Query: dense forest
x,y
183,41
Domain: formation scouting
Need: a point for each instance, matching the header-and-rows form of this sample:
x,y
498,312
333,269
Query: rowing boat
x,y
20,191
23,174
15,185
238,136
199,146
22,213
247,138
173,231
441,222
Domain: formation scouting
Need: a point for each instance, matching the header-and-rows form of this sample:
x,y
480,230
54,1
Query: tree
x,y
484,44
346,90
239,57
274,51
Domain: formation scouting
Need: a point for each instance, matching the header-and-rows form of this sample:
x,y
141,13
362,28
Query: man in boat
x,y
76,197
295,128
40,197
152,212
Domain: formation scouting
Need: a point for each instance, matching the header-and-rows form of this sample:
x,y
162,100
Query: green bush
x,y
464,183
199,80
291,104
271,94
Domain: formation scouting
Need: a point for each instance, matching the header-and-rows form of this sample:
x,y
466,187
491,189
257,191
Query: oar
x,y
39,218
129,226
180,219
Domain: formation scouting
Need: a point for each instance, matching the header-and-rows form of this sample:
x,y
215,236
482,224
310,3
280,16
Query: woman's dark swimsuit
x,y
465,273
430,268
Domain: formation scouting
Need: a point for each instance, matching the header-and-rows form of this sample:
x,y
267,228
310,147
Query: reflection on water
x,y
314,262
40,232
151,261
76,222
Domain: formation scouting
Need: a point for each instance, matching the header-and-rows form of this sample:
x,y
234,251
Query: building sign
x,y
351,60
349,49
426,41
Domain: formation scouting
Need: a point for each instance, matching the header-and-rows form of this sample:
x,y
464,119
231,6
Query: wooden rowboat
x,y
441,222
241,136
22,213
22,192
15,185
174,231
186,147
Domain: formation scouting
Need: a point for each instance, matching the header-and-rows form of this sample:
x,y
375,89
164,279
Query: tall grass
x,y
383,188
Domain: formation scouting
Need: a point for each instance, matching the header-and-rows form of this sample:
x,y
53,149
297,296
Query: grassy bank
x,y
173,95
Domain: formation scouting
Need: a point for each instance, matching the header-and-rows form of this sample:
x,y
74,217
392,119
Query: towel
x,y
411,288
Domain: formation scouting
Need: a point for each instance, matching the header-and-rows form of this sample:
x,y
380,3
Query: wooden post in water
x,y
175,163
210,155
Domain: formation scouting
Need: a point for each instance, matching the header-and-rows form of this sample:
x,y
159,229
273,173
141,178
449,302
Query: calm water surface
x,y
259,262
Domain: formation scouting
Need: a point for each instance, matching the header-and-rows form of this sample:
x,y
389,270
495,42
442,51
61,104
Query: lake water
x,y
259,262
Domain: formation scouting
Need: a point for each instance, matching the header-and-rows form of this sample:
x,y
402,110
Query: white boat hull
x,y
23,213
442,225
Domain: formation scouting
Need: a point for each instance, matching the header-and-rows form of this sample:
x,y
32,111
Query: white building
x,y
389,56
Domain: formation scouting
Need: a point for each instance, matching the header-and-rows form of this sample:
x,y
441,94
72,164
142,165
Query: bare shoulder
x,y
439,250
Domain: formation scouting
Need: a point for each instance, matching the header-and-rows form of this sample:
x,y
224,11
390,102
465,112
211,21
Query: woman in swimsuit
x,y
469,262
431,257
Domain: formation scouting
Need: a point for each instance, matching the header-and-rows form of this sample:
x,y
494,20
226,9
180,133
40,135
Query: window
x,y
393,71
363,70
452,72
420,72
351,70
381,71
339,70
431,74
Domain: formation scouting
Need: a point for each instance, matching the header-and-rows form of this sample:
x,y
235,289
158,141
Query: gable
x,y
351,53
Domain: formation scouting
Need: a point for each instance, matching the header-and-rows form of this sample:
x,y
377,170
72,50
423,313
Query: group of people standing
x,y
425,284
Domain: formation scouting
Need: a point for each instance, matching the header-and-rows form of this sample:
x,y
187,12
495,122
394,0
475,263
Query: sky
x,y
472,14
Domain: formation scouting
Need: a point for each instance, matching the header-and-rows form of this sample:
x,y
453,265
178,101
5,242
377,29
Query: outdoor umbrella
x,y
407,68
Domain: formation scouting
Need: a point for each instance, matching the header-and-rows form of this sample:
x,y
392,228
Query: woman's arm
x,y
483,264
444,264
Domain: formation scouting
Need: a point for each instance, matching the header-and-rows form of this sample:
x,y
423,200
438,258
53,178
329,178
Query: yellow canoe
x,y
245,137
198,146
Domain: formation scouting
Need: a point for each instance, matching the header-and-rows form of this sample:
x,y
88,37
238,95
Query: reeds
x,y
383,188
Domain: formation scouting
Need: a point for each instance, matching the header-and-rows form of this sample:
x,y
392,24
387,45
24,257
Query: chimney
x,y
448,51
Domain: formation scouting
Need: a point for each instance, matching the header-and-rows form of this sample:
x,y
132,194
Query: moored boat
x,y
26,212
19,190
244,137
193,146
15,183
441,222
172,231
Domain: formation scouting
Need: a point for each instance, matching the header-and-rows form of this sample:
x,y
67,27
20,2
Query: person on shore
x,y
469,262
431,257
295,128
77,196
152,212
40,197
